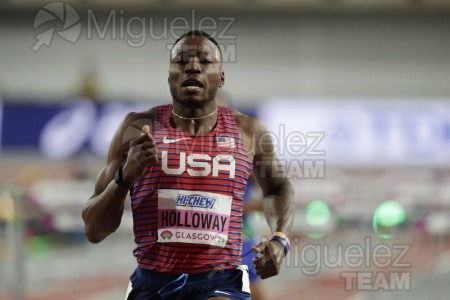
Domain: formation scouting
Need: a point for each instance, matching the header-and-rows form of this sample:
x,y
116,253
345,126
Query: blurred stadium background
x,y
372,76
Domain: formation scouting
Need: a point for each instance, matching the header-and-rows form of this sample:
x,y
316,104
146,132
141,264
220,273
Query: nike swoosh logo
x,y
170,141
216,291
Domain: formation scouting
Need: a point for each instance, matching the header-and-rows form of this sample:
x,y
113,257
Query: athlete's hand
x,y
269,264
142,152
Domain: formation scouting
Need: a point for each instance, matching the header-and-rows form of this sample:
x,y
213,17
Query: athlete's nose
x,y
192,66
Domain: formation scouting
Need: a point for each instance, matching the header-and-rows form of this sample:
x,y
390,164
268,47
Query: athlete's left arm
x,y
270,173
278,194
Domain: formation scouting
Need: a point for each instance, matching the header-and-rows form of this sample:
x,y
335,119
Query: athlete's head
x,y
195,71
193,33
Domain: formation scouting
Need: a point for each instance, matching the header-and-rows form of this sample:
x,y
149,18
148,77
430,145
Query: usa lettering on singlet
x,y
187,208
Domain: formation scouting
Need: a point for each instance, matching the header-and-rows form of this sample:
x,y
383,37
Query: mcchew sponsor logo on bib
x,y
195,201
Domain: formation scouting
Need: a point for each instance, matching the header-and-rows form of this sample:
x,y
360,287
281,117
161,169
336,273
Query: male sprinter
x,y
186,171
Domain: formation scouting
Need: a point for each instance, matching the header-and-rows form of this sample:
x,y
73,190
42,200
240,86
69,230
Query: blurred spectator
x,y
37,221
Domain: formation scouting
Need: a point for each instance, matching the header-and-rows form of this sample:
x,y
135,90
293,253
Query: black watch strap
x,y
118,179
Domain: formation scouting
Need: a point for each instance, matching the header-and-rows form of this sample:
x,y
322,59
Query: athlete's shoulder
x,y
147,114
133,122
139,119
246,123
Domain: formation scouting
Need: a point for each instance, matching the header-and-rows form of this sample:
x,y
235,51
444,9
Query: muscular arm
x,y
102,213
270,174
277,190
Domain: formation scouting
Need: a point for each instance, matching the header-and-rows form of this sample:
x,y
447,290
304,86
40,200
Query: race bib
x,y
193,217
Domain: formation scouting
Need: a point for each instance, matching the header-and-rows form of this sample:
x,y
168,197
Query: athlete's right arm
x,y
102,213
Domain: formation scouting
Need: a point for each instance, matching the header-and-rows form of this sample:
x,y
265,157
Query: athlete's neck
x,y
195,120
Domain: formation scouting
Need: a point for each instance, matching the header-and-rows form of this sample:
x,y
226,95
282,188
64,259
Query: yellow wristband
x,y
280,234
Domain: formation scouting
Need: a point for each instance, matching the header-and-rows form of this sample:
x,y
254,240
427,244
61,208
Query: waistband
x,y
155,278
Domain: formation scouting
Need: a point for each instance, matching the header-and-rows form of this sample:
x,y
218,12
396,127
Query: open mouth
x,y
192,84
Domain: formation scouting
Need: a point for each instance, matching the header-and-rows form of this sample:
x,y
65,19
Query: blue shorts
x,y
247,259
148,285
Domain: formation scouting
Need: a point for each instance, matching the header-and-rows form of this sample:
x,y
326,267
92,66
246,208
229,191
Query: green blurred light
x,y
385,236
386,217
257,216
38,247
315,236
317,213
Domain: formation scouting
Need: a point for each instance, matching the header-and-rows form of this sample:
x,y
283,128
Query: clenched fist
x,y
142,152
269,264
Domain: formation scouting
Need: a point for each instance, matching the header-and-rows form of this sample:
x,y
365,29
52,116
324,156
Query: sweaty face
x,y
195,71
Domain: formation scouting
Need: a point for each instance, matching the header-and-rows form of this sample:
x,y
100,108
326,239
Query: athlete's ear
x,y
222,78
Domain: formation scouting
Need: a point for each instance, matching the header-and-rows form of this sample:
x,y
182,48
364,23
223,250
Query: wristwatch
x,y
118,179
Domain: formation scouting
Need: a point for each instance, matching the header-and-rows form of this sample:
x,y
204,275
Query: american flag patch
x,y
224,142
